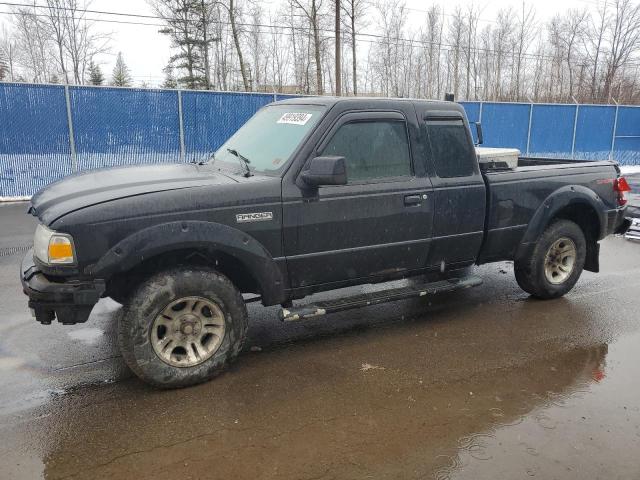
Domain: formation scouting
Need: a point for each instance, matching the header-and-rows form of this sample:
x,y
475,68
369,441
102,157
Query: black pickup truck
x,y
310,195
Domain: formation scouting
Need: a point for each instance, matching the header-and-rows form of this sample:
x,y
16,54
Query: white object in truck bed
x,y
499,157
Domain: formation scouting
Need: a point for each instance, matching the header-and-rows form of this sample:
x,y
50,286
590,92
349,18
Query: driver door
x,y
378,224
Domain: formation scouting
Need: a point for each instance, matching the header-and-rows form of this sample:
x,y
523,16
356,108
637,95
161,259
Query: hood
x,y
98,186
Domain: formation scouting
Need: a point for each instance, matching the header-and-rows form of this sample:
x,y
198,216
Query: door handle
x,y
414,199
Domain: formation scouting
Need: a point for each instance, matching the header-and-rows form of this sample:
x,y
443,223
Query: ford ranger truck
x,y
310,195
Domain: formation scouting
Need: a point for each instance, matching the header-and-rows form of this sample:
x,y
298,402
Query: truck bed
x,y
515,194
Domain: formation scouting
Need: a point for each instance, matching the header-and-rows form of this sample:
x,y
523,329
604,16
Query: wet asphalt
x,y
481,384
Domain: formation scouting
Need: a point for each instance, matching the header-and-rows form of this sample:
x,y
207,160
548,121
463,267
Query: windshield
x,y
265,143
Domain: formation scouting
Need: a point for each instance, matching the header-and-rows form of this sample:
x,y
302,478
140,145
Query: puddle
x,y
32,400
591,432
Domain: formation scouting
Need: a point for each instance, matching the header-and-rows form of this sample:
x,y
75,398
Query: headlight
x,y
53,248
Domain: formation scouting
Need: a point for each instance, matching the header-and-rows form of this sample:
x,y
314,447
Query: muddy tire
x,y
182,326
556,262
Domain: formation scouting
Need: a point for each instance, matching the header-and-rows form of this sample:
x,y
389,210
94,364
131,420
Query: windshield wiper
x,y
244,160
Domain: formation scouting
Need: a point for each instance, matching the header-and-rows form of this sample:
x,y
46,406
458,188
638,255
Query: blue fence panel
x,y
627,141
552,130
505,125
210,118
594,131
472,109
118,126
34,138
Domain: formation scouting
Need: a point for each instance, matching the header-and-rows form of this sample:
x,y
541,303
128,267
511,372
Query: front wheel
x,y
182,326
556,263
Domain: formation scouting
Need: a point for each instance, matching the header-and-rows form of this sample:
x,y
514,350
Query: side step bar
x,y
295,314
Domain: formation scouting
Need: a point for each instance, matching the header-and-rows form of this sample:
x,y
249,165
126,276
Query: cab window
x,y
451,149
374,149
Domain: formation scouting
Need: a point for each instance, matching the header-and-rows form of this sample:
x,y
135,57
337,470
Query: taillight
x,y
621,187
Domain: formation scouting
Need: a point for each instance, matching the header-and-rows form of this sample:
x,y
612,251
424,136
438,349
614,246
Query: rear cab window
x,y
450,148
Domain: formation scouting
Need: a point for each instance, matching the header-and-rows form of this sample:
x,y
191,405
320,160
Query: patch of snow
x,y
629,169
90,335
367,366
14,199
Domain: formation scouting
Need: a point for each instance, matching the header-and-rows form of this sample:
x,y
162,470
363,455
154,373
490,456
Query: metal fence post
x,y
529,127
615,130
575,127
181,125
480,113
72,141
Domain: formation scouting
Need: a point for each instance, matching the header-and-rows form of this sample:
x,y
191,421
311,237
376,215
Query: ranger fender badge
x,y
254,217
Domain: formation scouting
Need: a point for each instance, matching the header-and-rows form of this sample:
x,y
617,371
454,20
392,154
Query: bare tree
x,y
228,45
391,49
595,39
572,30
4,67
258,48
455,38
353,14
312,10
8,53
280,60
524,34
624,40
57,26
471,29
234,14
83,41
502,41
33,45
338,50
430,40
57,40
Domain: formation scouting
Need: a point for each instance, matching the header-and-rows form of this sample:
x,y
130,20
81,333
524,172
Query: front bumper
x,y
69,301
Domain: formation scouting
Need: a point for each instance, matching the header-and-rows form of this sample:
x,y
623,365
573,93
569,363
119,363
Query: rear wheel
x,y
556,263
182,326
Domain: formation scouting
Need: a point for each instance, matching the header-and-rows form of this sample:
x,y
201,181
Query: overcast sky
x,y
146,51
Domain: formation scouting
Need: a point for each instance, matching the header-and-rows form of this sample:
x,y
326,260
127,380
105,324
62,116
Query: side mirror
x,y
479,133
326,171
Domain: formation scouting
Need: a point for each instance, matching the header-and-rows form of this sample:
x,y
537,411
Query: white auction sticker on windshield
x,y
294,118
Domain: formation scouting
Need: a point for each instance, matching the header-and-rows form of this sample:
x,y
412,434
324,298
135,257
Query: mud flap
x,y
592,259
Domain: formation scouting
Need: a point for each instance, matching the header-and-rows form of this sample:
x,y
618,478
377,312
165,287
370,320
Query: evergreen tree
x,y
169,78
188,27
121,76
95,74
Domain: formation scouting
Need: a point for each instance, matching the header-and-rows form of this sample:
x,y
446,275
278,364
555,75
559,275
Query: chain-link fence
x,y
588,132
50,131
